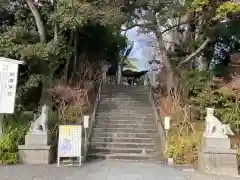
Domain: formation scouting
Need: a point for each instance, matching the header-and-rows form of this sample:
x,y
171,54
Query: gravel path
x,y
103,170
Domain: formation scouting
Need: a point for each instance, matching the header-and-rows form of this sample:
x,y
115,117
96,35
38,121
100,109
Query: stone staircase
x,y
125,126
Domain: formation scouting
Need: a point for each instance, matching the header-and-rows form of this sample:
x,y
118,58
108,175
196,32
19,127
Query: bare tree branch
x,y
204,44
147,25
174,26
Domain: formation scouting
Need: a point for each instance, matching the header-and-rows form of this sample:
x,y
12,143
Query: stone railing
x,y
159,120
92,117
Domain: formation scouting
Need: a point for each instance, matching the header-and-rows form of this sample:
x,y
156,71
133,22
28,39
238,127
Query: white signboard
x,y
86,121
8,83
69,142
167,123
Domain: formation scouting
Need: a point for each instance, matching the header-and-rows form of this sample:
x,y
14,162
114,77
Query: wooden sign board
x,y
69,142
8,84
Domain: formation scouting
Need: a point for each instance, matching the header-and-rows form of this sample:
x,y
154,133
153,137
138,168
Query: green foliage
x,y
54,123
196,80
226,8
14,132
183,148
198,5
203,92
72,14
223,9
28,93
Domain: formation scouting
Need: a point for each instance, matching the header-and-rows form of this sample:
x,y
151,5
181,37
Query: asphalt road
x,y
104,170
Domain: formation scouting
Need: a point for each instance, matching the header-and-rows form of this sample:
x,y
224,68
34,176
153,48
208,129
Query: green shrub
x,y
14,132
184,148
203,92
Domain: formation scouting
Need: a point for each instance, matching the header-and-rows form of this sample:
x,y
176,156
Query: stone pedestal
x,y
216,157
37,149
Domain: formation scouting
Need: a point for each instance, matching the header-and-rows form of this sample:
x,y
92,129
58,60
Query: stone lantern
x,y
153,68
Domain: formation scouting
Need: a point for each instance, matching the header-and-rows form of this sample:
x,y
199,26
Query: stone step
x,y
124,111
124,130
118,114
124,107
113,150
128,101
124,91
124,87
123,116
129,87
126,156
125,98
125,102
153,135
146,122
137,105
125,121
117,145
125,140
124,95
132,126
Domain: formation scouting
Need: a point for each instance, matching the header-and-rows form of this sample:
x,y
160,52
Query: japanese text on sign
x,y
8,83
69,144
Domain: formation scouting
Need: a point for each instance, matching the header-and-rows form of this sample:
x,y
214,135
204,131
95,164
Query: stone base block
x,y
42,139
216,143
219,162
36,154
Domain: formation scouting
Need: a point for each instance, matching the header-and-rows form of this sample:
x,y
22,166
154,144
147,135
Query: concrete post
x,y
119,74
104,77
145,82
105,67
154,83
1,124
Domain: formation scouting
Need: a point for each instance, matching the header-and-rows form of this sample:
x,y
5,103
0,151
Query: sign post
x,y
86,125
8,85
167,125
70,142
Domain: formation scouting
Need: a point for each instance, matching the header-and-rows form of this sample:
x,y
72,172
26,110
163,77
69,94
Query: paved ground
x,y
103,170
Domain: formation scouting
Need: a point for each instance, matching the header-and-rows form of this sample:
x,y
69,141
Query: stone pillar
x,y
154,81
1,124
145,82
104,77
105,67
119,73
154,67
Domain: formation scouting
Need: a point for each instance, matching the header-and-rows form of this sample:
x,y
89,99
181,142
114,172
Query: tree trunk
x,y
75,57
47,82
38,20
164,58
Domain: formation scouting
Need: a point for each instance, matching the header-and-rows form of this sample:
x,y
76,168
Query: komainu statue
x,y
41,123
